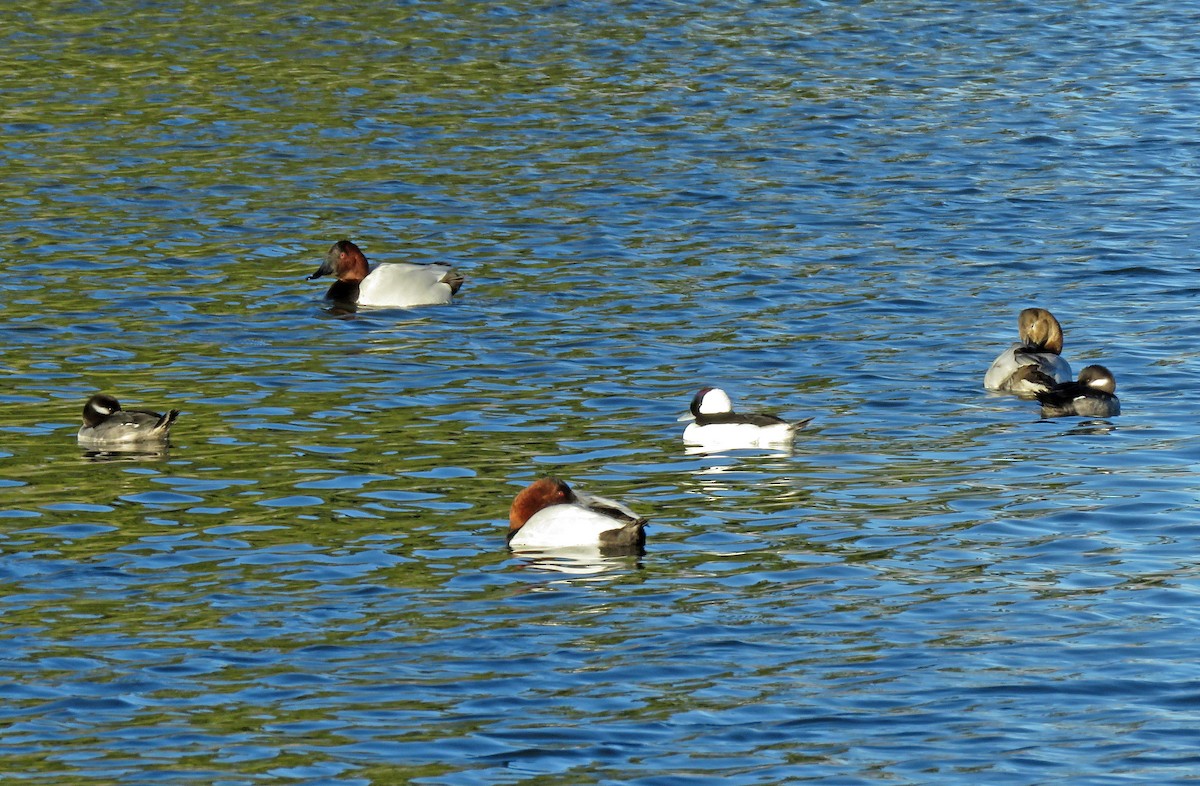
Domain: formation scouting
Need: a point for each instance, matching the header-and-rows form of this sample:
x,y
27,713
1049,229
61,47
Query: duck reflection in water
x,y
133,453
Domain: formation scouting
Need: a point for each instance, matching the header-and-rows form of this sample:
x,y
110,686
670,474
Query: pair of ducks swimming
x,y
1034,368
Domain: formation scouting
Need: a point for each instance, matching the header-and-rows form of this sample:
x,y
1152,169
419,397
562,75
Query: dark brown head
x,y
344,261
542,493
1039,329
1099,378
99,407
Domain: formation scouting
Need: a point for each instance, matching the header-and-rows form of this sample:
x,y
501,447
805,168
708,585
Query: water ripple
x,y
832,211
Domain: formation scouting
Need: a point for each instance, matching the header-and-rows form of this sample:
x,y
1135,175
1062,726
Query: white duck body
x,y
567,526
739,434
402,285
1004,374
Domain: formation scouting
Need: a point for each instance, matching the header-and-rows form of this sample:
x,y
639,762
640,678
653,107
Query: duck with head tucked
x,y
1092,396
389,284
549,514
105,424
1036,363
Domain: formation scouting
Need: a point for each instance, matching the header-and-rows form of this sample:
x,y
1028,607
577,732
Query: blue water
x,y
835,210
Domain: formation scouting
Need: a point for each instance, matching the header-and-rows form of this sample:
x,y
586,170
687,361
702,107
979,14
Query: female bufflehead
x,y
105,423
1093,396
394,284
548,514
1036,363
717,424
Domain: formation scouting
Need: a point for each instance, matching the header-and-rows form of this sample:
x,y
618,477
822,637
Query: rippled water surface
x,y
829,209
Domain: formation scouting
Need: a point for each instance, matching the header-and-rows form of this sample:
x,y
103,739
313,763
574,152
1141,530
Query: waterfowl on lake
x,y
715,422
394,284
105,423
1036,363
1092,396
548,514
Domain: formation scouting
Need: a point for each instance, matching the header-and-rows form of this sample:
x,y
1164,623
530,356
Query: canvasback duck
x,y
390,284
715,423
548,514
1093,396
105,423
1036,363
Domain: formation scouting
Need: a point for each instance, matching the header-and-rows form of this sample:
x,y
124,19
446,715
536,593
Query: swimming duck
x,y
1093,396
717,423
548,514
1035,364
105,423
393,284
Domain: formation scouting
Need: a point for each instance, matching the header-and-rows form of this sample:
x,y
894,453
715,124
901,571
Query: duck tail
x,y
799,424
164,422
629,539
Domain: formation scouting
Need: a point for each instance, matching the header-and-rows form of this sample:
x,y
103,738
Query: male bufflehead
x,y
715,423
